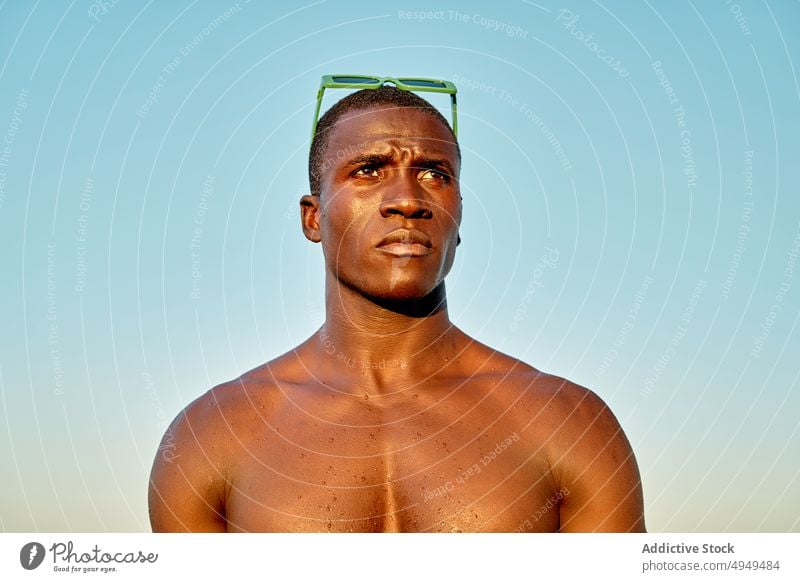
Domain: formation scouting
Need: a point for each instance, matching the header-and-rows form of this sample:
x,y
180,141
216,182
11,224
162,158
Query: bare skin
x,y
390,418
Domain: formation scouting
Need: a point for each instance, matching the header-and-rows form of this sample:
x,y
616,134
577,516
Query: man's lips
x,y
406,243
405,249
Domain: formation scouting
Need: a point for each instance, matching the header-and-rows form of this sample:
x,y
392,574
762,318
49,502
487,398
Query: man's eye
x,y
366,172
435,175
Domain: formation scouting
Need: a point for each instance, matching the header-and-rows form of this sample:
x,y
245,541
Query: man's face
x,y
390,205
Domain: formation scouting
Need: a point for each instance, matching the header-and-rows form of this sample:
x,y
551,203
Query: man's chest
x,y
435,471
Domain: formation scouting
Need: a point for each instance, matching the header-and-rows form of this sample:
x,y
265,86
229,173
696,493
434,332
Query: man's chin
x,y
408,293
398,288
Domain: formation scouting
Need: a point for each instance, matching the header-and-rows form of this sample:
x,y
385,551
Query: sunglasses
x,y
372,82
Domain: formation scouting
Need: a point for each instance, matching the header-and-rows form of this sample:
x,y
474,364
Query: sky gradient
x,y
631,222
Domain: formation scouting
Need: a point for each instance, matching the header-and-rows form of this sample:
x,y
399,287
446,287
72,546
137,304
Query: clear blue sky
x,y
631,222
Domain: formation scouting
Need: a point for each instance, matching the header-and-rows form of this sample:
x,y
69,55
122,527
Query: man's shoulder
x,y
566,396
252,390
200,451
575,423
589,455
553,398
540,384
236,402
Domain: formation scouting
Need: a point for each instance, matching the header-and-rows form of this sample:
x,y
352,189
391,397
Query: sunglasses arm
x,y
455,117
316,112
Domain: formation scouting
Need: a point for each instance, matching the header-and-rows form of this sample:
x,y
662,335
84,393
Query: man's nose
x,y
406,197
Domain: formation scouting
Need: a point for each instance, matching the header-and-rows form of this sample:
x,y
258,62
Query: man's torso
x,y
454,454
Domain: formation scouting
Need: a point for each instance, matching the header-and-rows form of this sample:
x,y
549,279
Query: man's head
x,y
385,200
319,160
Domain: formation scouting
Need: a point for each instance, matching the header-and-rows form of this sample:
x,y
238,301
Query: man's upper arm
x,y
601,486
187,482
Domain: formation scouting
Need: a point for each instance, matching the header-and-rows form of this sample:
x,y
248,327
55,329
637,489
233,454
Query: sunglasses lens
x,y
356,80
423,83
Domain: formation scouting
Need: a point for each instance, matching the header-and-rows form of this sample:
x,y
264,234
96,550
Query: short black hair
x,y
364,99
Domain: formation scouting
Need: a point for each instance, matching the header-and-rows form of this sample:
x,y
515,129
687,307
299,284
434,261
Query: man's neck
x,y
380,346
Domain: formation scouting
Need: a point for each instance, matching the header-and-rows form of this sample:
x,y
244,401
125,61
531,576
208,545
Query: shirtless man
x,y
389,418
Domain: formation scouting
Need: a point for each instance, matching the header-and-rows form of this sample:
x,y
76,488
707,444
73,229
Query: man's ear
x,y
309,217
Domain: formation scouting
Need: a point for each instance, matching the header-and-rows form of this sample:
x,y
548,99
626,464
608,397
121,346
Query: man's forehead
x,y
392,126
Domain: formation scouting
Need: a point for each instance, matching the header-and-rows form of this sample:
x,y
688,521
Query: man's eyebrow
x,y
434,164
369,159
377,159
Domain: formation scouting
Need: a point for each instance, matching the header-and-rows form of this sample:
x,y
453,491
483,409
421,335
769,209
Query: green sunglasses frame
x,y
375,82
